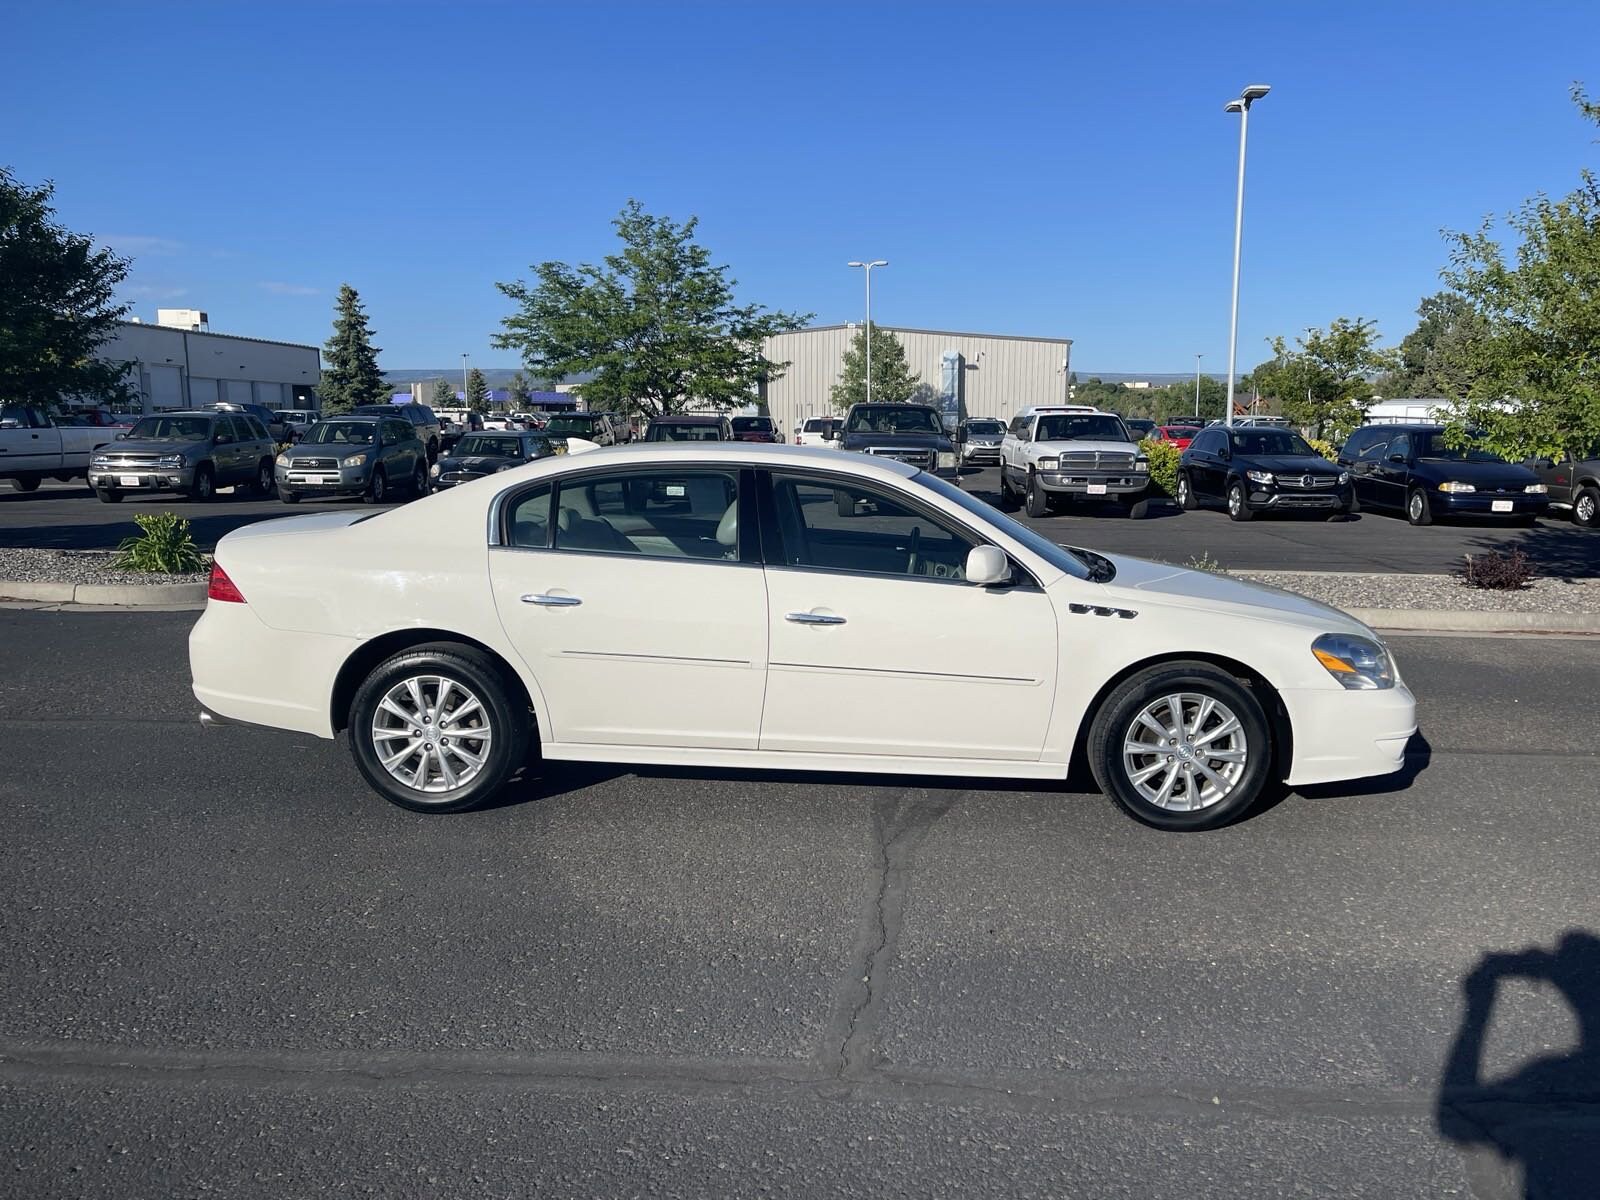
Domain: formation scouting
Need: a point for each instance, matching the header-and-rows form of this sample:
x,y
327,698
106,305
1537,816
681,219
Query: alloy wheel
x,y
431,734
1586,509
1185,752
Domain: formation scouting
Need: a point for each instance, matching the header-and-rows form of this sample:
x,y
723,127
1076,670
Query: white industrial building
x,y
179,363
973,374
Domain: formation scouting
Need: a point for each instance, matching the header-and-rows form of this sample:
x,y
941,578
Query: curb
x,y
1434,620
109,595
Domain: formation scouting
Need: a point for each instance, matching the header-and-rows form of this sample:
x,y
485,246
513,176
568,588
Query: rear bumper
x,y
244,672
1341,735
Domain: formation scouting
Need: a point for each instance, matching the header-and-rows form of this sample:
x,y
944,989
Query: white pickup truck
x,y
33,447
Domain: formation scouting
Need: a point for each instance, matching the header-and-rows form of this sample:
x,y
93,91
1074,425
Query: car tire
x,y
289,497
1238,503
1586,508
204,487
1139,509
419,481
1126,776
433,451
1186,498
378,486
1037,500
109,496
265,483
1338,514
1009,501
1355,502
501,722
1418,510
27,483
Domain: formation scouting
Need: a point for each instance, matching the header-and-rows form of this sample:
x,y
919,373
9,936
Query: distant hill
x,y
495,376
1154,378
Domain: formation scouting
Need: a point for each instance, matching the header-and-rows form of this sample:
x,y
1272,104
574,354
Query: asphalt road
x,y
68,516
230,969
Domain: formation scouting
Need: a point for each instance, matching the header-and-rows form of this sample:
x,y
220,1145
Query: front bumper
x,y
1340,735
141,479
1482,504
1090,483
1327,499
979,453
345,481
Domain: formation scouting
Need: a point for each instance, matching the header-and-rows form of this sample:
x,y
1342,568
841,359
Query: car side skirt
x,y
785,760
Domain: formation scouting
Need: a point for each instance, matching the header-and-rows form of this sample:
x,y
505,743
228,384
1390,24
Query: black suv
x,y
1574,484
420,415
1410,469
1259,468
912,433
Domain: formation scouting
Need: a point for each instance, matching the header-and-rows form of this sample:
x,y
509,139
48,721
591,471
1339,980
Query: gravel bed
x,y
80,566
1437,592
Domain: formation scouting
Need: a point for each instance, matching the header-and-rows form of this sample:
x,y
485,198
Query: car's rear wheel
x,y
1586,508
1418,510
1185,497
1238,503
438,728
1181,746
1038,499
264,481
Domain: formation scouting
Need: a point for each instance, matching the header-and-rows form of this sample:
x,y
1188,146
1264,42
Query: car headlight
x,y
1344,478
1263,477
100,460
506,467
947,458
283,460
1048,464
434,470
1455,485
1359,664
355,460
1141,464
1536,489
170,460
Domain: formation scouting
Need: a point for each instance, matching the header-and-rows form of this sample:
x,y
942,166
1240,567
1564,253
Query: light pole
x,y
464,379
867,268
1241,106
1197,359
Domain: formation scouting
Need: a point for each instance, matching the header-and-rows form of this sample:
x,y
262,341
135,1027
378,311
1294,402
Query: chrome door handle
x,y
805,618
547,601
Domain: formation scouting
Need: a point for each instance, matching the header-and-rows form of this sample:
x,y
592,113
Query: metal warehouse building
x,y
180,363
975,374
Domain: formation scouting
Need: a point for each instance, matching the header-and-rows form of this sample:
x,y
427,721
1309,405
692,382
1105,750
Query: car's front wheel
x,y
1181,746
109,495
438,728
378,489
1238,503
1418,510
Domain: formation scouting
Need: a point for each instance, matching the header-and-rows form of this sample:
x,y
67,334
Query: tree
x,y
56,304
444,394
893,380
656,324
351,375
1435,358
1325,381
1535,385
1176,401
477,391
521,389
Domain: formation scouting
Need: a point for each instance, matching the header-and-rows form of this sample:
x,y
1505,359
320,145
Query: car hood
x,y
1082,445
911,441
1478,474
481,464
1140,580
154,446
1288,464
325,450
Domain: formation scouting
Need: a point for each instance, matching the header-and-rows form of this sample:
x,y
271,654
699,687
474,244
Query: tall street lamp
x,y
464,379
1197,359
1241,106
867,267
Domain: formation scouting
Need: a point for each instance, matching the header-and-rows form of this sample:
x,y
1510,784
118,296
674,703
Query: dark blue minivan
x,y
1410,469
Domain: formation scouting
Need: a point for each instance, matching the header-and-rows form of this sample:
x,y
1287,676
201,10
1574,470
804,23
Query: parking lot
x,y
68,516
232,969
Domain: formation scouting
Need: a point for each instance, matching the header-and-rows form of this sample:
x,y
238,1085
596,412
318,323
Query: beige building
x,y
982,374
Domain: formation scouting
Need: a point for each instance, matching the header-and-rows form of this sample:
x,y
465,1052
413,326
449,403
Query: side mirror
x,y
1224,452
988,566
961,435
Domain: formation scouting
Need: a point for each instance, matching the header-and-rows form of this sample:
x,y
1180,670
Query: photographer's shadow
x,y
1545,1117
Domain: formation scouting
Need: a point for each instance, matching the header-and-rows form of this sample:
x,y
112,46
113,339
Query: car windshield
x,y
1057,556
572,424
1432,445
898,418
985,427
672,431
1270,441
380,410
171,429
489,443
1181,430
341,433
752,424
818,424
1089,427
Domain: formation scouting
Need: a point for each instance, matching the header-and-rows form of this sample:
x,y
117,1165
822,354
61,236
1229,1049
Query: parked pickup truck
x,y
33,447
911,433
1055,453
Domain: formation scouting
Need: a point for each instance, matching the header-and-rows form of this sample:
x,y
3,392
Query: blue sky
x,y
1046,169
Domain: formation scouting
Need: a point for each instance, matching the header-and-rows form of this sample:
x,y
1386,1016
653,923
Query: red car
x,y
1179,435
755,429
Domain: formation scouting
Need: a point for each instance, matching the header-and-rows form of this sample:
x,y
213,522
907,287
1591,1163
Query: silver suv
x,y
190,452
354,456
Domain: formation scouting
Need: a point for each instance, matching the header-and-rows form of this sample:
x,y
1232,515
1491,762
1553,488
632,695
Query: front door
x,y
627,597
1392,473
878,645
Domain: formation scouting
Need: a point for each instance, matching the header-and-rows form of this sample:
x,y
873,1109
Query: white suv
x,y
1060,451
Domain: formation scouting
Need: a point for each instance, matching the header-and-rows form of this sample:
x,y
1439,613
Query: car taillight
x,y
221,587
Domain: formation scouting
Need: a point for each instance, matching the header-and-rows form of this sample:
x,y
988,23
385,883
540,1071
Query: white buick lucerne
x,y
750,606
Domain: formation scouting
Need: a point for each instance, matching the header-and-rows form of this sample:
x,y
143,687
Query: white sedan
x,y
750,606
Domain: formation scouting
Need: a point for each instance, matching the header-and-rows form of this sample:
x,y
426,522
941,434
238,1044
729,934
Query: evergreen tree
x,y
444,395
477,391
893,380
56,304
520,388
351,375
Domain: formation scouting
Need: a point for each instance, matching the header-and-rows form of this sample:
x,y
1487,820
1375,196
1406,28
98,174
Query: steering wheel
x,y
915,558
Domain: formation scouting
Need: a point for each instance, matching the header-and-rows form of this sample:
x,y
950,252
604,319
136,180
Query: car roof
x,y
1040,410
777,455
187,412
686,419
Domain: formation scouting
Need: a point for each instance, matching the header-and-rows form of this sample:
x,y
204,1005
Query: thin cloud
x,y
287,289
140,243
144,291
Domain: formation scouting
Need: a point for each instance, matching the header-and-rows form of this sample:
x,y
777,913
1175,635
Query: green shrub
x,y
1163,458
1327,449
1204,562
164,546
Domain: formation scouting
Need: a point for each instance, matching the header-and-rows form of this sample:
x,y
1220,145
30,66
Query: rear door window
x,y
655,512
